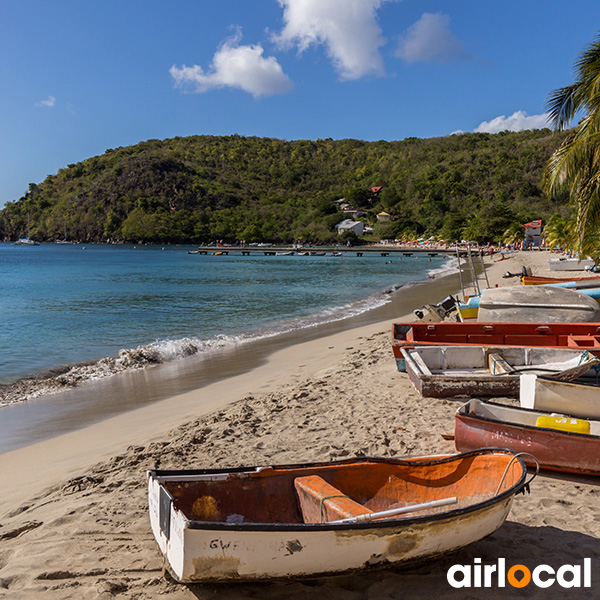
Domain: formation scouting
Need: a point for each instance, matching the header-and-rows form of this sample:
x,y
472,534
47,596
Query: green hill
x,y
204,188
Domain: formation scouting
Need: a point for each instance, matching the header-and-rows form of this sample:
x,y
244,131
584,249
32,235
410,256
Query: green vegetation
x,y
203,188
576,163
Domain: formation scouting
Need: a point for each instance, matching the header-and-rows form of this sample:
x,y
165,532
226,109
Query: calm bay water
x,y
65,304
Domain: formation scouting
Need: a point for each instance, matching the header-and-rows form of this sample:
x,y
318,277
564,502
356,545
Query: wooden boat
x,y
570,264
585,336
558,442
538,280
534,303
273,522
451,371
572,397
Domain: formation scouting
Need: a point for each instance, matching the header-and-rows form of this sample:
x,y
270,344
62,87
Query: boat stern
x,y
168,527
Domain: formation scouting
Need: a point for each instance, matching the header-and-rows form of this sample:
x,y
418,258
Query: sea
x,y
77,313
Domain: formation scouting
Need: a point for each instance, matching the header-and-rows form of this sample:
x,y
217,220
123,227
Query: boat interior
x,y
331,491
529,417
470,360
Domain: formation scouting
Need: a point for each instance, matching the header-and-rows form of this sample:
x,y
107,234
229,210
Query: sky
x,y
84,76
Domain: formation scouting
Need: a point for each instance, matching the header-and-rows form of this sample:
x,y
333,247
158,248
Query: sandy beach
x,y
73,517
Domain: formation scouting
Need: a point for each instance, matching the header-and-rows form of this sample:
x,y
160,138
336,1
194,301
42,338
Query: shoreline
x,y
62,378
63,410
74,520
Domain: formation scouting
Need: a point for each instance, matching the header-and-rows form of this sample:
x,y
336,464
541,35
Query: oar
x,y
396,511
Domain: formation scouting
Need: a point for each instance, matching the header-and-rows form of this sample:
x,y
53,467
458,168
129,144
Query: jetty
x,y
379,249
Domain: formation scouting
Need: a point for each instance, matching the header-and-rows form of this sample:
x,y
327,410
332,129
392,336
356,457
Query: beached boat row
x,y
306,520
552,368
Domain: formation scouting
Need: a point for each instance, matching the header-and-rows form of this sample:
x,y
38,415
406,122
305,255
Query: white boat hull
x,y
569,264
219,555
282,542
575,399
529,304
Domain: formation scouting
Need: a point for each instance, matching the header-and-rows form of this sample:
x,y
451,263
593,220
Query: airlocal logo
x,y
519,576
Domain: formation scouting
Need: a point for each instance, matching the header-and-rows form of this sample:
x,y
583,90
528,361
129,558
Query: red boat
x,y
585,336
558,442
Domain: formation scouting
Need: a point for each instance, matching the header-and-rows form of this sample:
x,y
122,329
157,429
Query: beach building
x,y
533,233
358,227
383,216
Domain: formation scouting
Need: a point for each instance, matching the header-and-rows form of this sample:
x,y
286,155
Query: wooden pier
x,y
327,250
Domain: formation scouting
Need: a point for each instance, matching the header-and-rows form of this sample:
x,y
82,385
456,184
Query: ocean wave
x,y
450,266
64,378
60,379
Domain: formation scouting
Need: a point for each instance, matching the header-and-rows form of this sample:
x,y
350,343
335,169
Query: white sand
x,y
73,519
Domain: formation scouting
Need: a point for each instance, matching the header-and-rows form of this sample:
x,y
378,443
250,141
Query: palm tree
x,y
560,233
515,234
576,163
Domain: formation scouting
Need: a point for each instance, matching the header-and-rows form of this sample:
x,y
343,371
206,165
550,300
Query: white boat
x,y
290,253
451,371
25,242
571,397
261,523
570,264
532,304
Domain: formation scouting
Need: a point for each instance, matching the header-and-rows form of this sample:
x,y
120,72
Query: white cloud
x,y
347,28
49,102
518,121
430,40
241,67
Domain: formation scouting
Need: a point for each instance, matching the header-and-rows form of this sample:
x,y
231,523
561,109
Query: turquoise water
x,y
66,304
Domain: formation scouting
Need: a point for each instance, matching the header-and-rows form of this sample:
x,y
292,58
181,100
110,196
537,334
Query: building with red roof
x,y
533,233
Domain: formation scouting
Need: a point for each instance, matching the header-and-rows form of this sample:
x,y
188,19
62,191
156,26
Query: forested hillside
x,y
204,188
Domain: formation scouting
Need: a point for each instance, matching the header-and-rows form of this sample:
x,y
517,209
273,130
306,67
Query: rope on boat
x,y
585,356
510,462
328,498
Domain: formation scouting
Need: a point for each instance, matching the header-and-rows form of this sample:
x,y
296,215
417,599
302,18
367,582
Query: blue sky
x,y
82,77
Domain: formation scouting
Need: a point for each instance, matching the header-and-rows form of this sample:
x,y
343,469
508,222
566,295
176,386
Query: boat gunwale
x,y
478,417
517,487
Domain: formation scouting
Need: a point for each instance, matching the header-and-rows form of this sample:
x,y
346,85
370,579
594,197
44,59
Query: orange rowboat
x,y
535,280
254,523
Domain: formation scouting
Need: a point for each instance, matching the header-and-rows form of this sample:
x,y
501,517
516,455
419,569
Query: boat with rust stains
x,y
559,442
452,371
277,522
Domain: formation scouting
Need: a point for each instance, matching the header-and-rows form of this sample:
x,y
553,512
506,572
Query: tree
x,y
560,233
576,163
515,234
